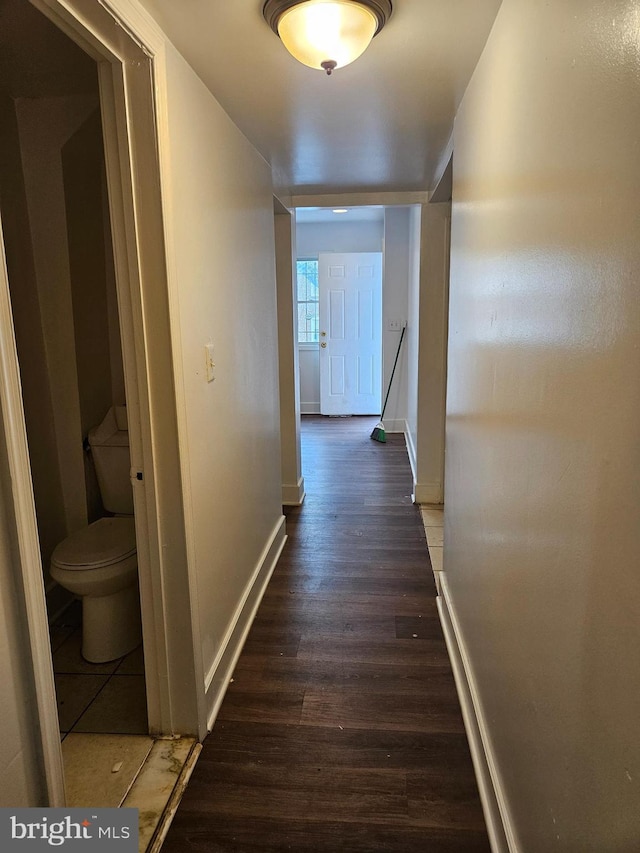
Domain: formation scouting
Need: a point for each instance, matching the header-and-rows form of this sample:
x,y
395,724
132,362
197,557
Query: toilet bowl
x,y
99,563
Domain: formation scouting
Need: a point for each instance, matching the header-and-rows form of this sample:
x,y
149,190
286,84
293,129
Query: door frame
x,y
129,51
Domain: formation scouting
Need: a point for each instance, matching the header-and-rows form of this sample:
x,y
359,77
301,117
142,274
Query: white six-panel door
x,y
350,292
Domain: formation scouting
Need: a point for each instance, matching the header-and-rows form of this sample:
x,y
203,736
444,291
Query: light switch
x,y
208,349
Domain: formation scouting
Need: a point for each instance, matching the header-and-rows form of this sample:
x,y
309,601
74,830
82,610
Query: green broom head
x,y
378,433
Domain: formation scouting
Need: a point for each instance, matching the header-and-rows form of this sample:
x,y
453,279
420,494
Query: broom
x,y
379,433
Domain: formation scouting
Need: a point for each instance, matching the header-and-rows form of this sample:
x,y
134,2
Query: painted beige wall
x,y
542,540
221,208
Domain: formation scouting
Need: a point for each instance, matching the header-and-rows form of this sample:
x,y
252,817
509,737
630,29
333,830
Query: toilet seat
x,y
103,543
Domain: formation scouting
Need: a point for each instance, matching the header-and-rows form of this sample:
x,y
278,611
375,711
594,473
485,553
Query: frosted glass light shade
x,y
319,33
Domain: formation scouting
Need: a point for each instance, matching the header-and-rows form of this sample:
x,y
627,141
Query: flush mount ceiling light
x,y
326,34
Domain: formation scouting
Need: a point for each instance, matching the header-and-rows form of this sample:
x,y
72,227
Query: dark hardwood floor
x,y
341,731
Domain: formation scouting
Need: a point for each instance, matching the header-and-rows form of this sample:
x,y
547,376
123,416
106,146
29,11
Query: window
x,y
307,286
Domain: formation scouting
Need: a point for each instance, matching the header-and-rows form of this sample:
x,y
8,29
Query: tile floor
x,y
132,771
107,698
157,789
100,769
109,758
433,520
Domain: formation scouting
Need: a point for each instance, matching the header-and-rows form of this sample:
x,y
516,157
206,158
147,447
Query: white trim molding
x,y
500,828
26,529
423,493
217,678
411,450
427,493
396,425
310,408
293,495
360,199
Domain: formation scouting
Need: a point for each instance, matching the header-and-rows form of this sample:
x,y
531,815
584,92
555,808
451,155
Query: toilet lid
x,y
106,541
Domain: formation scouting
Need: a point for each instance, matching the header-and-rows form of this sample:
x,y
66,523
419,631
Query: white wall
x,y
309,360
220,207
426,348
315,237
395,294
432,369
412,336
542,540
311,239
289,368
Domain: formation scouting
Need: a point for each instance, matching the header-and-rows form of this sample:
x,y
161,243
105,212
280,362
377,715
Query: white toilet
x,y
99,562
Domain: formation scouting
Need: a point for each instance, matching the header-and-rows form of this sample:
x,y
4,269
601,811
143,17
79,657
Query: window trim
x,y
305,345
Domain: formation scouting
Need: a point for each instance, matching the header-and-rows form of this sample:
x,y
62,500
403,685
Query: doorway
x,y
61,273
322,233
367,229
131,72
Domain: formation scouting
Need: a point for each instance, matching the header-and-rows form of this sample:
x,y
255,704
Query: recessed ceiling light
x,y
341,210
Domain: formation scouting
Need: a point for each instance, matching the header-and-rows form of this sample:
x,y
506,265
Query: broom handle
x,y
392,372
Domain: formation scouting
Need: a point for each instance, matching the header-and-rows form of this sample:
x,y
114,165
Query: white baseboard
x,y
427,493
293,495
500,828
423,493
411,450
310,408
219,673
394,425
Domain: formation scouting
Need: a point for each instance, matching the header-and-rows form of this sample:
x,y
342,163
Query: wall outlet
x,y
394,325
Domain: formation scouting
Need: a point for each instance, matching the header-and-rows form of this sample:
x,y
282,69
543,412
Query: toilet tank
x,y
109,444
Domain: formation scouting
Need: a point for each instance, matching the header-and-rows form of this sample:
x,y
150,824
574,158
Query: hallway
x,y
341,731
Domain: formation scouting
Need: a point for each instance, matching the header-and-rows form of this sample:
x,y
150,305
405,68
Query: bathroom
x,y
56,228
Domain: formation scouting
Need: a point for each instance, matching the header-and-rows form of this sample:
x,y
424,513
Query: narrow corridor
x,y
341,730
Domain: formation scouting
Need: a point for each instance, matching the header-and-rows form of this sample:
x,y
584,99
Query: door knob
x,y
323,344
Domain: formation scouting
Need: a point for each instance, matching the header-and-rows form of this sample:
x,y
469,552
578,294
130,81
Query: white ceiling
x,y
378,125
